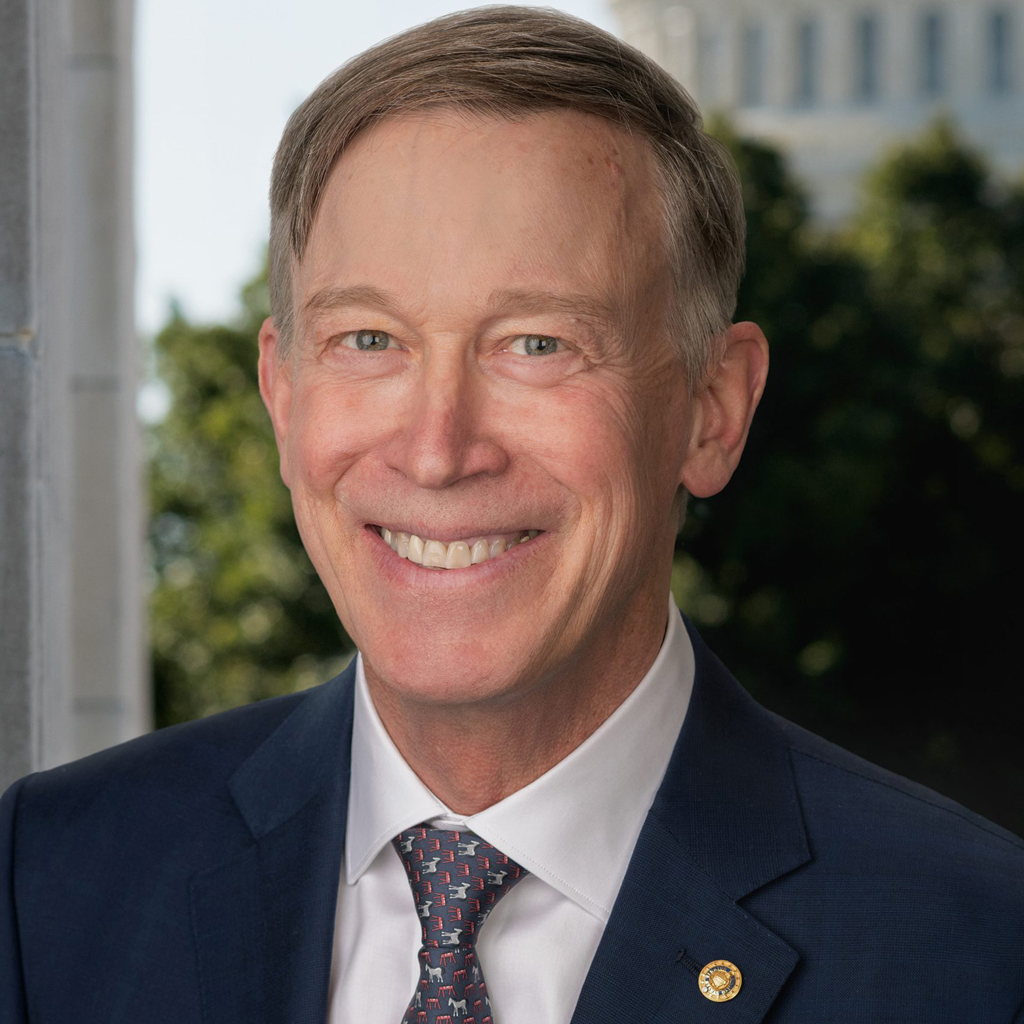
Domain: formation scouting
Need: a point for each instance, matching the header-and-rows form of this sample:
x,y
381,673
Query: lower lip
x,y
401,570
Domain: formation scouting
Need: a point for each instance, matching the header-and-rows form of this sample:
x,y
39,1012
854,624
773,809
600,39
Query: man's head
x,y
475,339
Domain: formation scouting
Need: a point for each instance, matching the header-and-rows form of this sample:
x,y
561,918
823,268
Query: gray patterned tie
x,y
456,881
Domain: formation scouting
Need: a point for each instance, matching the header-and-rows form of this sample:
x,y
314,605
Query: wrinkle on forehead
x,y
626,159
416,170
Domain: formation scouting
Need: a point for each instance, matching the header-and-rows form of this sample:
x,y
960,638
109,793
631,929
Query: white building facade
x,y
835,83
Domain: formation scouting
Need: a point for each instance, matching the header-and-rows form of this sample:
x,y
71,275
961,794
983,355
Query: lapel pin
x,y
720,981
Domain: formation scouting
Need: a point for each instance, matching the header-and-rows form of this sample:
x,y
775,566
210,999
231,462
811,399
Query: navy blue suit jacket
x,y
191,875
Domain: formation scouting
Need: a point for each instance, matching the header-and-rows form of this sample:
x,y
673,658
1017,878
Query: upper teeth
x,y
459,554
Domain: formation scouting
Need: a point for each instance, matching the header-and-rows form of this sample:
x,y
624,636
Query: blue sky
x,y
215,81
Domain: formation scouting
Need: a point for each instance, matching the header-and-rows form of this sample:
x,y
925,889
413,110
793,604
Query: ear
x,y
276,389
724,410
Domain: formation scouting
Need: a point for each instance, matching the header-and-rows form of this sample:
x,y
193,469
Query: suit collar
x,y
726,821
263,919
729,796
311,746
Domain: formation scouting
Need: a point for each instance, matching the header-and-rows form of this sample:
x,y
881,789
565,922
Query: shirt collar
x,y
385,795
594,800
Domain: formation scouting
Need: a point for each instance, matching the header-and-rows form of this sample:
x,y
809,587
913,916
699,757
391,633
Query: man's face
x,y
480,356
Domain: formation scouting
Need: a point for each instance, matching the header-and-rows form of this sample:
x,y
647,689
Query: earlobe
x,y
275,389
725,410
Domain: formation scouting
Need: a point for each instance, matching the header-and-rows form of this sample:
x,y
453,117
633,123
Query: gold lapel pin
x,y
720,981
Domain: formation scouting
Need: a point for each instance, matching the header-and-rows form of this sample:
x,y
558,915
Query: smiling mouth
x,y
458,554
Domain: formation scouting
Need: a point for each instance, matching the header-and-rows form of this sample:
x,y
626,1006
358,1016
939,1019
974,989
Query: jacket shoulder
x,y
99,857
905,892
163,772
866,804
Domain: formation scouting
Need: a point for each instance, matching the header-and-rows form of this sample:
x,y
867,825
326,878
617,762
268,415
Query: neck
x,y
503,745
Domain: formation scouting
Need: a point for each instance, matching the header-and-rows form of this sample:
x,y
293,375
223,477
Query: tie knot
x,y
456,880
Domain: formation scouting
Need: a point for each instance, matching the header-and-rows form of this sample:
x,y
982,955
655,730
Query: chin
x,y
462,672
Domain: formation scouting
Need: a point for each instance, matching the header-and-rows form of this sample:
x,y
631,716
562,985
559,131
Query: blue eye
x,y
368,341
535,345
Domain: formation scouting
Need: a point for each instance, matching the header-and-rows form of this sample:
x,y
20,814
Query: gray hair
x,y
507,61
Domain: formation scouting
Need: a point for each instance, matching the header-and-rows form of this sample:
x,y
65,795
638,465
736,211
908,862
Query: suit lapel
x,y
264,918
724,822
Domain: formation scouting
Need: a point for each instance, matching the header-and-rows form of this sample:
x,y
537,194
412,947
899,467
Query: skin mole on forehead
x,y
614,162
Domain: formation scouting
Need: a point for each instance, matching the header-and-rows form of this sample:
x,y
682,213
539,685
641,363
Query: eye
x,y
368,341
534,345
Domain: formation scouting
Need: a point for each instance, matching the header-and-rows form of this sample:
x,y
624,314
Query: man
x,y
504,259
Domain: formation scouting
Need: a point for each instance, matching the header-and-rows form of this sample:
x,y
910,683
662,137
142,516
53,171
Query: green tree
x,y
237,612
860,574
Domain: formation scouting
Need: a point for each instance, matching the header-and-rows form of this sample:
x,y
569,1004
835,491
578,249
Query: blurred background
x,y
862,574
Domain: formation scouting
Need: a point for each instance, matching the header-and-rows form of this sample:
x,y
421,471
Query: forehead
x,y
443,196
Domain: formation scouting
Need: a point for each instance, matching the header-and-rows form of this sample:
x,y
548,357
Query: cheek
x,y
590,439
330,427
617,450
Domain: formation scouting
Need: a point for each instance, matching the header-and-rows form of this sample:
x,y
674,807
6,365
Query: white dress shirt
x,y
574,829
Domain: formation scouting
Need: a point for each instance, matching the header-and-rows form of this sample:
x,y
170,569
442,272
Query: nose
x,y
446,434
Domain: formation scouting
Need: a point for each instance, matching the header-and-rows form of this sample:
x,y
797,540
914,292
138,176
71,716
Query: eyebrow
x,y
326,299
583,307
501,302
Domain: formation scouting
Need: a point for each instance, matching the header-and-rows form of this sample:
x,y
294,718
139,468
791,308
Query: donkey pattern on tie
x,y
456,881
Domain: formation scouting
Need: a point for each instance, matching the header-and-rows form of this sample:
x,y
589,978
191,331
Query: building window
x,y
933,54
867,41
999,62
807,46
752,68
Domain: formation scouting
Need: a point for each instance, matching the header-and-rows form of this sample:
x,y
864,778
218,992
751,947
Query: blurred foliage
x,y
860,575
236,612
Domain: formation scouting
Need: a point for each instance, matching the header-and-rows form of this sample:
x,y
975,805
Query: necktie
x,y
456,881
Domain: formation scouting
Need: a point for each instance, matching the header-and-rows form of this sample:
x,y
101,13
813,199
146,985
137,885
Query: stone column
x,y
68,525
34,462
836,56
900,66
780,58
109,701
731,51
681,45
966,54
